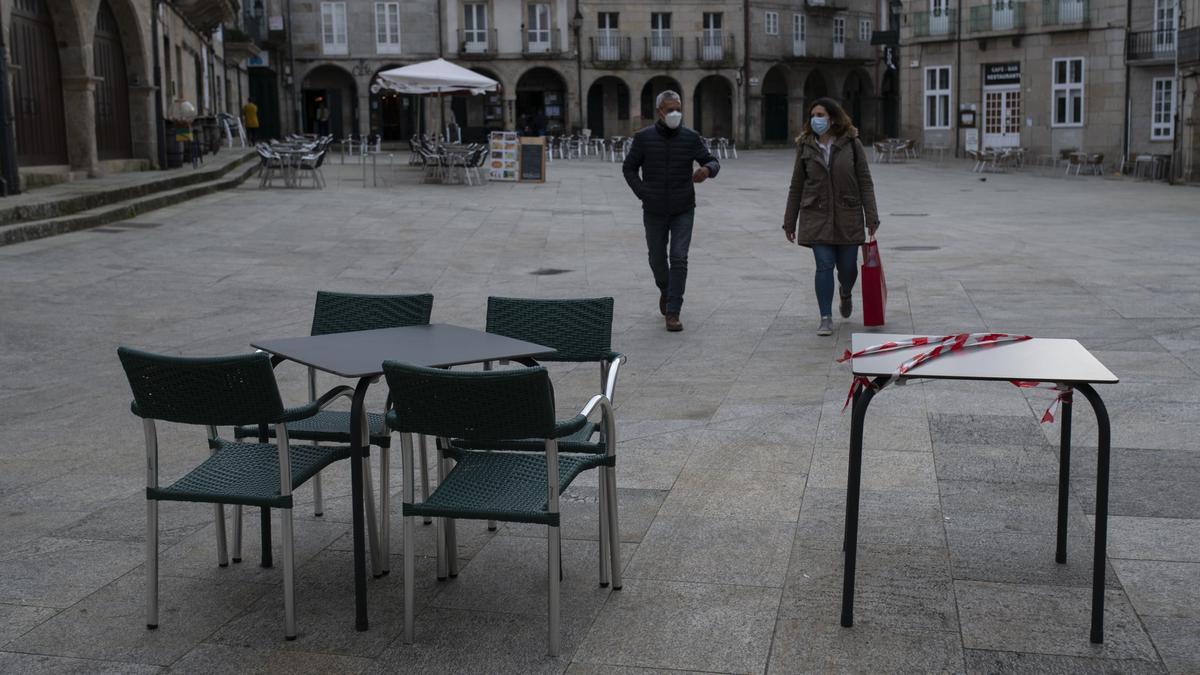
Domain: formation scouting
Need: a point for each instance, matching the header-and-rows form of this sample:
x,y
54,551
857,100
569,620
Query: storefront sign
x,y
998,74
275,22
261,60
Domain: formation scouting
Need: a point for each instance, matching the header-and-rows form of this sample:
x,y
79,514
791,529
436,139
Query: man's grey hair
x,y
667,95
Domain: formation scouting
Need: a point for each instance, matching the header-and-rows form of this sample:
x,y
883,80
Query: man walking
x,y
664,153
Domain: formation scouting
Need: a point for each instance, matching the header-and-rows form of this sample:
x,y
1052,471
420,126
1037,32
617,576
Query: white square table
x,y
360,355
1062,362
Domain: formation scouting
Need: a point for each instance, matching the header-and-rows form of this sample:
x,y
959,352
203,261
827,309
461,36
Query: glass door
x,y
711,42
1002,118
538,28
799,35
608,38
939,17
660,36
475,29
1002,14
1164,28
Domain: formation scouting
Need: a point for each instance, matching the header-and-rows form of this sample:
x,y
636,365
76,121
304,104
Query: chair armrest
x,y
309,409
564,428
615,359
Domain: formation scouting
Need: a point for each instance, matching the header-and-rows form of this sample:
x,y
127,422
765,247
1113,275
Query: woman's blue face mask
x,y
819,125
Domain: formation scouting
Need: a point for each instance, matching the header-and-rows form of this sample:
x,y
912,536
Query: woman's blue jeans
x,y
828,256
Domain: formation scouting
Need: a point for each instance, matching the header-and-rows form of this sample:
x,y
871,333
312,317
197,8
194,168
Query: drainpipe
x,y
1125,127
10,178
746,73
957,77
1177,94
577,25
160,137
293,95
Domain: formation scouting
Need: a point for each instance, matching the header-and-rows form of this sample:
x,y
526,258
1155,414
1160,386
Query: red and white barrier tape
x,y
946,344
1064,396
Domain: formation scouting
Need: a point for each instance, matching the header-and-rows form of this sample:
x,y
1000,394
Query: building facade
x,y
85,95
1097,76
581,64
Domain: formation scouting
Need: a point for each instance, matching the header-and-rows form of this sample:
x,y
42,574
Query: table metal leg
x,y
1099,553
862,399
1064,478
357,451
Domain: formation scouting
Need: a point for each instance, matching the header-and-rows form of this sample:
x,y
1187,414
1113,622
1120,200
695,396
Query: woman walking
x,y
833,198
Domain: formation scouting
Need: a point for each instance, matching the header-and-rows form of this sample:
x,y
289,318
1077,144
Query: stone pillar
x,y
143,125
754,115
79,106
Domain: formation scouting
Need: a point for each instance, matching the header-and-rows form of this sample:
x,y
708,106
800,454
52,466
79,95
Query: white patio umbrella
x,y
438,76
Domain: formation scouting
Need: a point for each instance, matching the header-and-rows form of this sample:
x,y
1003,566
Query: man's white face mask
x,y
673,119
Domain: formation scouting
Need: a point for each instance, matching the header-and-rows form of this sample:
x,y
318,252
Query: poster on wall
x,y
502,163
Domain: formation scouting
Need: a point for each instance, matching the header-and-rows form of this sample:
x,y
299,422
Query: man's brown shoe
x,y
662,304
673,324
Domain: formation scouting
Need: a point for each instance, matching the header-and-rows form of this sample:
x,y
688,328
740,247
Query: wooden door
x,y
113,139
37,86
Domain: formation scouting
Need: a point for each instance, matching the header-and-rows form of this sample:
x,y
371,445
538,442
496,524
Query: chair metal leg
x,y
265,532
609,474
602,482
451,531
372,523
151,564
237,533
424,473
385,501
410,533
553,572
440,534
289,579
318,495
222,552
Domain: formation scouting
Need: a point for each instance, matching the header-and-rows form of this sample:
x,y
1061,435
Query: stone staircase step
x,y
84,195
113,212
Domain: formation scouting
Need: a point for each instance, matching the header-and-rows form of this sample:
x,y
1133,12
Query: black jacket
x,y
665,158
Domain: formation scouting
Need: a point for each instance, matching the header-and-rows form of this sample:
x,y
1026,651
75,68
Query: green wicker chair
x,y
224,391
343,313
523,487
581,332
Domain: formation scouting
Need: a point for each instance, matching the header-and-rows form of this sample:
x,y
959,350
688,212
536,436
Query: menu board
x,y
503,160
533,159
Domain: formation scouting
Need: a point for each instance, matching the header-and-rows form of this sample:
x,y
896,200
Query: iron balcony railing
x,y
1065,12
663,48
715,48
542,43
1150,45
999,16
941,23
610,48
476,43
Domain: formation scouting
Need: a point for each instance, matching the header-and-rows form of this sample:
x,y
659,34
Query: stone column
x,y
754,116
79,106
143,125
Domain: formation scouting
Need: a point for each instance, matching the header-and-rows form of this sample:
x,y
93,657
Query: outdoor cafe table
x,y
1062,362
360,355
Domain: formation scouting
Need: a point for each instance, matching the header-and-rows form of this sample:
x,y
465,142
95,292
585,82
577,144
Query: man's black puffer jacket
x,y
665,158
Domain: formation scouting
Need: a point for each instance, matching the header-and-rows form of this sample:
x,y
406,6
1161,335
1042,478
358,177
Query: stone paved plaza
x,y
732,463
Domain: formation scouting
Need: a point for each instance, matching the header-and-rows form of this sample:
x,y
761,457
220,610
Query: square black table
x,y
360,355
1063,362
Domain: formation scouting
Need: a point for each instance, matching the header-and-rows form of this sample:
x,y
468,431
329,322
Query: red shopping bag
x,y
874,287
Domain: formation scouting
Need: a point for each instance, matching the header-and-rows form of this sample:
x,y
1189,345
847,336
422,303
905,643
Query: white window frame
x,y
864,30
470,42
799,34
1070,89
534,33
839,30
939,95
771,23
334,37
387,28
1162,109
